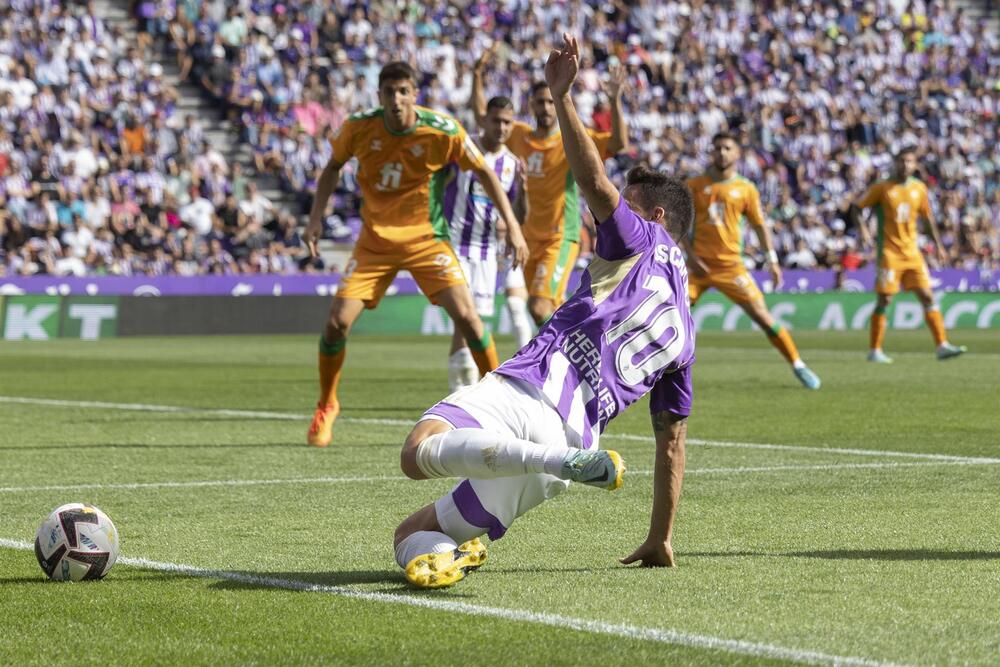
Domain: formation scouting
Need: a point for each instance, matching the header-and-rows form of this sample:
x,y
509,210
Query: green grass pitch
x,y
243,546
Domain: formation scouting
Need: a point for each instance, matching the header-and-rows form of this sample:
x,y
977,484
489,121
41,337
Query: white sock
x,y
798,363
462,370
519,320
420,543
479,454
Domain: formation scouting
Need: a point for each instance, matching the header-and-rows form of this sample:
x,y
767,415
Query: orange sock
x,y
331,360
484,351
782,340
877,331
936,324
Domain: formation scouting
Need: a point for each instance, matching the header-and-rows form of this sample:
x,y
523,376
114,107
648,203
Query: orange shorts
x,y
549,266
733,280
911,274
368,274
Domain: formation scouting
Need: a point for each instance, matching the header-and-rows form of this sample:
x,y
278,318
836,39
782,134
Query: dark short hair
x,y
671,194
499,102
908,149
536,86
397,71
719,136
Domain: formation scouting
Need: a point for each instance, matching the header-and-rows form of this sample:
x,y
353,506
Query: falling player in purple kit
x,y
533,425
474,221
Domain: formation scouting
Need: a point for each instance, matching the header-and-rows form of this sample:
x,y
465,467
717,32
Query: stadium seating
x,y
101,173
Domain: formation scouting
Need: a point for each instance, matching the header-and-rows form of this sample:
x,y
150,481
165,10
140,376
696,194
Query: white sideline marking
x,y
400,478
222,412
658,635
256,414
813,450
203,483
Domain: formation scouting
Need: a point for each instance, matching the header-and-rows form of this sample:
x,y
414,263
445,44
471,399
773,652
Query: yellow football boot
x,y
446,568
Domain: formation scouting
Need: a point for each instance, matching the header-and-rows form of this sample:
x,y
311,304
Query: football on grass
x,y
76,542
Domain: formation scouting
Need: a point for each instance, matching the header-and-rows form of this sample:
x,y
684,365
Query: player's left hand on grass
x,y
562,66
651,553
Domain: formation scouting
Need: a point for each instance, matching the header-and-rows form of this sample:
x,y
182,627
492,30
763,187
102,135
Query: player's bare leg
x,y
332,351
932,316
877,331
541,309
462,370
457,301
782,340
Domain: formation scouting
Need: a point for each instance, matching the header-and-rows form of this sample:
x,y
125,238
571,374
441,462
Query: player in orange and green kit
x,y
402,151
899,202
552,228
722,201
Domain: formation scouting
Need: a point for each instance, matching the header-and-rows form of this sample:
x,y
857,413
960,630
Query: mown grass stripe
x,y
742,470
626,631
258,414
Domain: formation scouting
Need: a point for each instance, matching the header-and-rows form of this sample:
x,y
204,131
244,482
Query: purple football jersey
x,y
626,331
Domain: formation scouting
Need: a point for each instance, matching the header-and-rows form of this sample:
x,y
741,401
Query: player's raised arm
x,y
325,186
478,99
584,159
656,551
619,129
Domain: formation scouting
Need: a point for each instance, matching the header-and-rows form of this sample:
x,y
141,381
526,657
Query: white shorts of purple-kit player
x,y
514,279
511,407
481,274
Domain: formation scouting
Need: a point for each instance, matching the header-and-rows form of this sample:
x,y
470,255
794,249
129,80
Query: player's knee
x,y
408,455
540,309
337,326
408,460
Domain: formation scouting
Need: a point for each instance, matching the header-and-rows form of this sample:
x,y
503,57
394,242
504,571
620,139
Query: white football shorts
x,y
503,405
514,279
481,274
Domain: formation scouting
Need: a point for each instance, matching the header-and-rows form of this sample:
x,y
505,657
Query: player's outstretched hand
x,y
651,554
562,66
617,82
485,58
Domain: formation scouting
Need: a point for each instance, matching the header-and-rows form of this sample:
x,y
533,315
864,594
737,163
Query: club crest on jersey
x,y
417,150
376,144
534,164
707,190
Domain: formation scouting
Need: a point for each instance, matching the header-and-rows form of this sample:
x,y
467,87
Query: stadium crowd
x,y
99,174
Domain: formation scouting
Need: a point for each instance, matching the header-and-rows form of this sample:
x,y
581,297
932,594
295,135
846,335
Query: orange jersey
x,y
553,198
720,207
402,175
897,207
